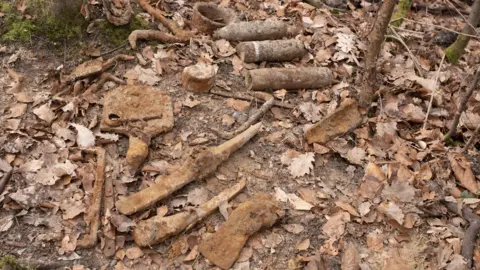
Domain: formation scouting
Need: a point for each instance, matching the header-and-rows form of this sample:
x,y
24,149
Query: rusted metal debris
x,y
93,215
158,229
224,246
197,166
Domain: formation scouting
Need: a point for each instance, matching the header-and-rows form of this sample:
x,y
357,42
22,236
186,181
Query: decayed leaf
x,y
280,195
399,191
364,208
190,102
345,42
121,222
335,225
17,110
350,258
457,262
45,113
303,244
356,155
298,203
72,208
146,75
6,223
375,240
287,157
293,228
134,253
463,172
237,105
31,166
392,211
69,243
85,137
310,111
197,196
302,164
395,261
413,113
192,255
223,209
347,207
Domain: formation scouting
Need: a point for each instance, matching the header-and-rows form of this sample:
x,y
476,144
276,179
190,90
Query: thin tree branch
x,y
442,27
472,139
434,91
463,105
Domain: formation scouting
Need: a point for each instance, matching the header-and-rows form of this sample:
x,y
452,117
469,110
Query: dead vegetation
x,y
360,151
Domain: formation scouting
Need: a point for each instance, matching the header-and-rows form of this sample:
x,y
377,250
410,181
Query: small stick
x,y
93,214
472,231
5,179
441,27
470,141
463,105
252,119
114,49
196,167
101,81
398,38
463,17
158,229
434,91
247,97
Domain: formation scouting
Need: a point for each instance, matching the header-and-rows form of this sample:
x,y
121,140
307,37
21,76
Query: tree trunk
x,y
456,50
375,40
401,12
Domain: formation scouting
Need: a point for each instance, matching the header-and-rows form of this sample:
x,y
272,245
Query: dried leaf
x,y
335,225
463,172
298,203
399,191
245,254
392,211
31,166
17,110
45,113
345,42
293,228
197,196
121,222
347,207
134,253
302,164
85,137
237,105
356,155
303,244
310,111
6,223
190,102
350,258
192,255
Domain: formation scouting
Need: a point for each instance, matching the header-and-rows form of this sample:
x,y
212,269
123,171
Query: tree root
x,y
471,234
269,99
170,24
154,35
105,77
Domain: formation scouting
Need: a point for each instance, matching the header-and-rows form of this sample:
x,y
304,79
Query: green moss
x,y
401,12
9,262
55,20
456,50
117,35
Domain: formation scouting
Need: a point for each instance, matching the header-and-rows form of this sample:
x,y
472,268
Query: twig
x,y
5,179
472,231
269,99
463,17
434,91
442,27
398,38
470,141
247,97
463,105
114,49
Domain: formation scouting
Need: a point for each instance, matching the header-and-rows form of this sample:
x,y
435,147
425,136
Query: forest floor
x,y
370,199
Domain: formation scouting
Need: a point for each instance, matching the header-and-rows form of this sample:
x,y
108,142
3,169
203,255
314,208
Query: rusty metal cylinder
x,y
271,50
288,78
254,30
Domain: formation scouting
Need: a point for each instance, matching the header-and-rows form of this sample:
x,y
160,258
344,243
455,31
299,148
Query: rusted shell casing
x,y
254,30
288,78
198,78
271,50
207,17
